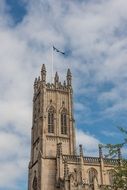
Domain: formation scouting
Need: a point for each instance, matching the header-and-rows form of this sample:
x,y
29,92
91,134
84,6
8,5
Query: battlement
x,y
71,158
59,86
110,161
89,160
56,85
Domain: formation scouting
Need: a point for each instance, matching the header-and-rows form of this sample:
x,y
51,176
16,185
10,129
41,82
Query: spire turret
x,y
69,77
80,150
119,154
100,150
56,79
35,85
43,73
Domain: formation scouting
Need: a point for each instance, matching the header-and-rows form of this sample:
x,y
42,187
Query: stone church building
x,y
54,163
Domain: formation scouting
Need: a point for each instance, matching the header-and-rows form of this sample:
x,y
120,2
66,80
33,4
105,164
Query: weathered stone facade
x,y
54,164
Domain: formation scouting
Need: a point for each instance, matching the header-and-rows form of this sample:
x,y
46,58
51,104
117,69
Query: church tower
x,y
54,165
52,130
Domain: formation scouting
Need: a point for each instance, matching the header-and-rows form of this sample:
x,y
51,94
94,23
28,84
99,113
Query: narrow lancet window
x,y
63,123
51,120
92,175
35,182
111,177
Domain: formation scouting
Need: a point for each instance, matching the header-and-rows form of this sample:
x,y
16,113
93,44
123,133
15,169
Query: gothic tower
x,y
53,164
52,130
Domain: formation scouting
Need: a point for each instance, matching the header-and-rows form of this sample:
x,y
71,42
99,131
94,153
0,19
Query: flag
x,y
55,49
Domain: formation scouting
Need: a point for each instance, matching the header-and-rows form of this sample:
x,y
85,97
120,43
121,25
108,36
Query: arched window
x,y
111,176
35,183
64,122
92,175
51,120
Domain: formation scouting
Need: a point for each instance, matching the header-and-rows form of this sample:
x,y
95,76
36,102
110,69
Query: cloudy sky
x,y
93,33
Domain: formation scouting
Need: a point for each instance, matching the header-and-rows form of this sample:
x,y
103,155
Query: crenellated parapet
x,y
40,82
111,161
71,158
91,160
88,160
59,86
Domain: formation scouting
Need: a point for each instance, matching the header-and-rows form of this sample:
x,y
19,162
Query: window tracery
x,y
51,120
92,174
64,122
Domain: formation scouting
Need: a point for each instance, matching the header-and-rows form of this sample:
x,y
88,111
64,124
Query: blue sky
x,y
94,34
16,10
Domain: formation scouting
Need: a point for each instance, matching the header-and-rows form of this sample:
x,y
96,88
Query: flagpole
x,y
52,66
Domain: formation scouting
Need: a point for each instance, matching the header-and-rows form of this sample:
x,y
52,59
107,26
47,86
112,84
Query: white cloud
x,y
89,142
11,172
95,32
109,96
13,159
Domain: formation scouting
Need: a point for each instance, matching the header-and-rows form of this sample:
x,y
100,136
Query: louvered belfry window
x,y
63,123
51,120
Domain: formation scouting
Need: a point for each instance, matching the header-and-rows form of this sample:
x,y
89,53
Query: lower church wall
x,y
48,174
87,169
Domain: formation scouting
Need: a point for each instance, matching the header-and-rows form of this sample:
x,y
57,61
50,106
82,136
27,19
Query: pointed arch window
x,y
51,120
35,183
111,176
92,174
64,122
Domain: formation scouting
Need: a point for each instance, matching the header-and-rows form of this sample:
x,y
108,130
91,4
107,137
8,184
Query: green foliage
x,y
120,174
